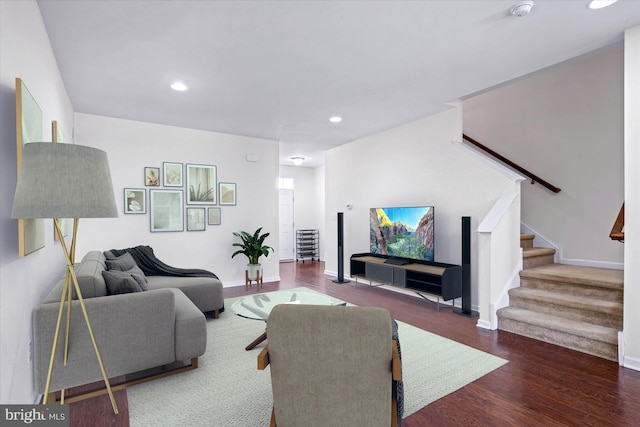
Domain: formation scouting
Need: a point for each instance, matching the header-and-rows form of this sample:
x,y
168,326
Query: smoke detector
x,y
522,9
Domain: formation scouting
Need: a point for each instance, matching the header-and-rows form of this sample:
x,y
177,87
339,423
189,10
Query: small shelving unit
x,y
307,245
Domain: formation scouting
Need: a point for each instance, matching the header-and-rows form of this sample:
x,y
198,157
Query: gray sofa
x,y
135,331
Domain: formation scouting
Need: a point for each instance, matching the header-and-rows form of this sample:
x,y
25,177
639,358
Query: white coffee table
x,y
258,306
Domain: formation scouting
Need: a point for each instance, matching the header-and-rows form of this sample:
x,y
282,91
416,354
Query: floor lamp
x,y
65,181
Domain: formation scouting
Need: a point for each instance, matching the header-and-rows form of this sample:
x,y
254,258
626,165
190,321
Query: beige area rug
x,y
227,389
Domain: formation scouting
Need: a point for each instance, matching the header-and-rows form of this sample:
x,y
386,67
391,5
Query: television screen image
x,y
403,232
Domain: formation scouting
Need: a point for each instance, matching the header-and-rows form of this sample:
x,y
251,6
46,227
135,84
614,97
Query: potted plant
x,y
253,247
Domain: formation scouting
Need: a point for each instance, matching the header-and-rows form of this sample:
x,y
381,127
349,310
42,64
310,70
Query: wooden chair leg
x,y
273,418
394,412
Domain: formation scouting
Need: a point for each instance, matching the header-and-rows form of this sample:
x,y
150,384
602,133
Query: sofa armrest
x,y
133,331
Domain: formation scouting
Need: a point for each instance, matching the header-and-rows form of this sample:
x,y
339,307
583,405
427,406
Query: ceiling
x,y
280,69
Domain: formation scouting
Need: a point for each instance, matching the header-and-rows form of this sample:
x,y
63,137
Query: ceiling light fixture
x,y
599,4
335,119
297,160
179,86
522,9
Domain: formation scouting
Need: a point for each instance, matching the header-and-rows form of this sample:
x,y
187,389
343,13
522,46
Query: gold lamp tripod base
x,y
71,284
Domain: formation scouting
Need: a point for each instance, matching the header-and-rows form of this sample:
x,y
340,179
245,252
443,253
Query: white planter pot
x,y
253,271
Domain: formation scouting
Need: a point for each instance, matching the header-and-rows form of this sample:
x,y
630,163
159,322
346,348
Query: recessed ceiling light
x,y
179,86
599,4
335,119
297,160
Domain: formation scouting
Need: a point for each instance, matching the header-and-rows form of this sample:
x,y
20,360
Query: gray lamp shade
x,y
63,181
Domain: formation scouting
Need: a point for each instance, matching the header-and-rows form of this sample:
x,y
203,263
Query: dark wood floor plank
x,y
542,385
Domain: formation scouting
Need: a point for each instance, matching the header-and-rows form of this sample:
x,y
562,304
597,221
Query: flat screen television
x,y
405,232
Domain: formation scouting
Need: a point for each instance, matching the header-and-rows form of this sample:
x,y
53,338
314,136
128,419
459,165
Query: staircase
x,y
575,307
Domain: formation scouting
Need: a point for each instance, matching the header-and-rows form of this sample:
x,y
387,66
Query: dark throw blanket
x,y
152,266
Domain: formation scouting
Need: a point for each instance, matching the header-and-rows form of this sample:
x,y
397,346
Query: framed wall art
x,y
167,211
195,219
28,129
57,136
135,201
152,177
227,193
172,174
201,184
214,216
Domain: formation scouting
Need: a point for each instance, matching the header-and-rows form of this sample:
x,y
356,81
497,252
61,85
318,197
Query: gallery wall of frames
x,y
178,194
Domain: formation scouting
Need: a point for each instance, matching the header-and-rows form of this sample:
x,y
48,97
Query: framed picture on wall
x,y
135,201
152,177
28,129
167,210
214,216
195,219
172,174
227,193
201,184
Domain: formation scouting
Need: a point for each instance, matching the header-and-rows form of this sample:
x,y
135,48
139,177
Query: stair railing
x,y
534,178
617,232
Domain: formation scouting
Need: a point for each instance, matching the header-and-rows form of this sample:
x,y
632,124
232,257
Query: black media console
x,y
435,278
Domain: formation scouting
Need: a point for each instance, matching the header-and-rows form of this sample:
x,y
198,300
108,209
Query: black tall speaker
x,y
341,278
466,269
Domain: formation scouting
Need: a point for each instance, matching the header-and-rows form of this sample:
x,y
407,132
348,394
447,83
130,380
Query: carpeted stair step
x,y
592,339
526,241
534,257
574,307
601,283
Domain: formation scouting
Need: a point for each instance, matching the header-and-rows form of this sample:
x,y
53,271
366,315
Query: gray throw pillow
x,y
120,282
138,271
124,262
139,278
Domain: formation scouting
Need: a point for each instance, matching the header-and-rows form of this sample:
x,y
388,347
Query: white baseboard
x,y
483,324
241,282
591,263
331,273
620,348
542,242
631,363
626,361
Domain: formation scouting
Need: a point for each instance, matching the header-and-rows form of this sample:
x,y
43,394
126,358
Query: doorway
x,y
287,234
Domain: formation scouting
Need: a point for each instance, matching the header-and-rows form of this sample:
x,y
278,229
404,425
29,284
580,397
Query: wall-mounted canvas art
x,y
201,184
214,216
227,193
58,136
152,177
172,174
167,212
28,129
135,201
195,219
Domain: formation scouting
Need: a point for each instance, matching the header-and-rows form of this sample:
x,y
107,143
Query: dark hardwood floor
x,y
542,385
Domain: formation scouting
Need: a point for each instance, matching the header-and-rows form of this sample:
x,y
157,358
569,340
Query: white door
x,y
287,235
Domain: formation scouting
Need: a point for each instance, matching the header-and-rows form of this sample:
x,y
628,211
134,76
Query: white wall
x,y
132,145
632,200
25,52
566,126
411,165
308,199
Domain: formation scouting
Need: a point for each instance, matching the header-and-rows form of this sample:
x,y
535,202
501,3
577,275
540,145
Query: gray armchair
x,y
331,366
